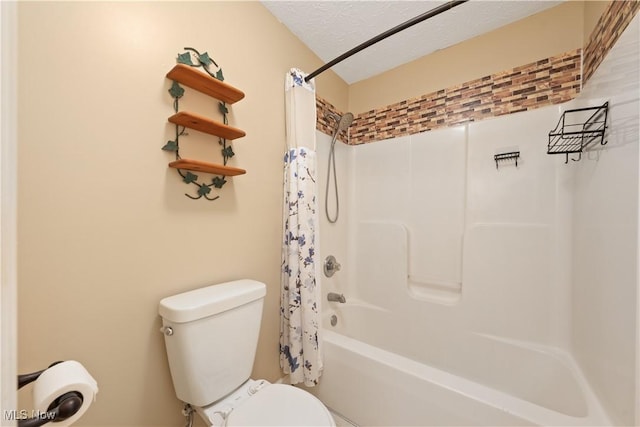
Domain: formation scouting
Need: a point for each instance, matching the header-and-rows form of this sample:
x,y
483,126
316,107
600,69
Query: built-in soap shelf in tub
x,y
577,129
388,242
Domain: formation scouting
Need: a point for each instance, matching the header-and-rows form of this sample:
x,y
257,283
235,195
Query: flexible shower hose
x,y
332,162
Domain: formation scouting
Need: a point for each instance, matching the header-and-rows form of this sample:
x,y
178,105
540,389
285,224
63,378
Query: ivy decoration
x,y
193,58
171,146
205,60
201,60
190,177
218,181
204,190
185,58
227,152
176,91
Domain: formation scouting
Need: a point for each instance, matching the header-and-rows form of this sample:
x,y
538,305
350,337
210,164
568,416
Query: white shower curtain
x,y
300,344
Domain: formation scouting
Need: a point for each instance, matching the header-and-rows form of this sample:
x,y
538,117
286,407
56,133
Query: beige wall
x,y
539,36
104,229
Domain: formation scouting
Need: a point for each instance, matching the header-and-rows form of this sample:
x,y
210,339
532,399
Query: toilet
x,y
211,335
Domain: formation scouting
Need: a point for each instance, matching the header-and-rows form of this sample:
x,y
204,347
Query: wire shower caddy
x,y
577,129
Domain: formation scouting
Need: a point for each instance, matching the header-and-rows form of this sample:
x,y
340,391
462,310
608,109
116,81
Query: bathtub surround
x,y
549,271
300,343
605,236
464,259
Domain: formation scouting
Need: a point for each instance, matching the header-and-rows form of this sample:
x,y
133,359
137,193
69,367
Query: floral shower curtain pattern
x,y
300,344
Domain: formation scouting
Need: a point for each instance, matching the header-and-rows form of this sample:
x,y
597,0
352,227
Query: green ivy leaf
x,y
227,152
176,90
219,181
203,190
205,59
170,146
219,75
190,177
223,108
185,58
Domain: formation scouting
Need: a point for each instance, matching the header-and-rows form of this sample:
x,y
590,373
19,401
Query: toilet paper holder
x,y
63,407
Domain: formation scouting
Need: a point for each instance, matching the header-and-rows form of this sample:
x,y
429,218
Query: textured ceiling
x,y
330,28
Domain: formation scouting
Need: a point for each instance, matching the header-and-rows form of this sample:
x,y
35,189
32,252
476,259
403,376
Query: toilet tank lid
x,y
210,300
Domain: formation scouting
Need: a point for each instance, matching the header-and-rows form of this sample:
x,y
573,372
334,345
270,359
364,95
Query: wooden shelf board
x,y
212,168
206,125
204,83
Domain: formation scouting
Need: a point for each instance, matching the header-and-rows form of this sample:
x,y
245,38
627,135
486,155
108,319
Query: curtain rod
x,y
411,22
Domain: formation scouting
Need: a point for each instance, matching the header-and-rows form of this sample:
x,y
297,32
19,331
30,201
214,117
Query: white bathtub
x,y
464,379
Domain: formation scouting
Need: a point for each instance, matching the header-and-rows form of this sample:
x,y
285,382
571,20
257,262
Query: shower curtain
x,y
300,344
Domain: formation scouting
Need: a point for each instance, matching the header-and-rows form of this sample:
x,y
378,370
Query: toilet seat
x,y
273,405
281,405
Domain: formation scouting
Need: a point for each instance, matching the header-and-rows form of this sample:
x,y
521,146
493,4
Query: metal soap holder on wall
x,y
577,129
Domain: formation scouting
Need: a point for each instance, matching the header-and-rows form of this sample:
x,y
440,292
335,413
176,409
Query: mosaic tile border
x,y
612,23
545,82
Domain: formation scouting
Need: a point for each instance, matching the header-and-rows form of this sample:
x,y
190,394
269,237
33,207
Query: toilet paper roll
x,y
60,379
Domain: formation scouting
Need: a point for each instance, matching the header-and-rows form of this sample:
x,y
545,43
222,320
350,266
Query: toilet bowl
x,y
260,403
211,335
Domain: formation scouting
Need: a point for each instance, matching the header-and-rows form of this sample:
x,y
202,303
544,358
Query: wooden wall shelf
x,y
206,125
212,168
204,83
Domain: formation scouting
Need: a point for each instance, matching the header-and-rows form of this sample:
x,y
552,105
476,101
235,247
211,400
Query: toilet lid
x,y
281,405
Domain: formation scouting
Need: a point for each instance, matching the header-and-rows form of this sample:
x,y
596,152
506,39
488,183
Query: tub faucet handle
x,y
331,265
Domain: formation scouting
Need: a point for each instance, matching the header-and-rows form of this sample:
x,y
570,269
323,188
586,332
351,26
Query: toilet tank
x,y
211,335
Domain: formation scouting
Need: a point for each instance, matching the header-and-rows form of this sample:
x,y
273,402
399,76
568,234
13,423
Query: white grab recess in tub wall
x,y
410,198
519,253
389,244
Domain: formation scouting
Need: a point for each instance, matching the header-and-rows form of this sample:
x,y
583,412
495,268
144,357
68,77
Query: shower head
x,y
345,121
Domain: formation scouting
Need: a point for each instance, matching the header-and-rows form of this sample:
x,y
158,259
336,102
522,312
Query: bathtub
x,y
457,379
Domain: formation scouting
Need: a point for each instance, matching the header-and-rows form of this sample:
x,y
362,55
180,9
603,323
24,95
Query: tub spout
x,y
334,297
